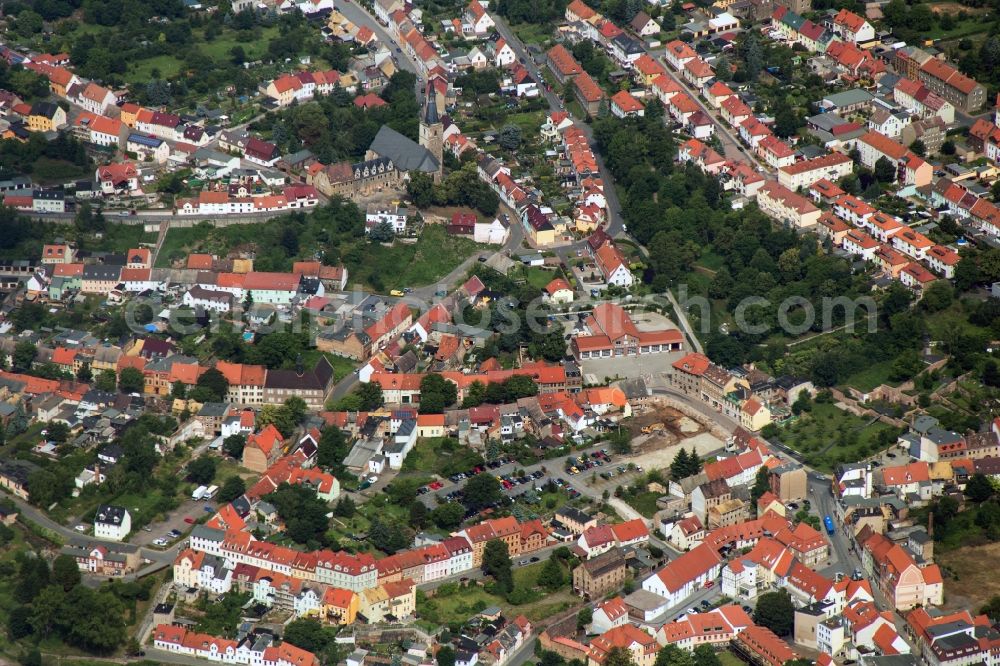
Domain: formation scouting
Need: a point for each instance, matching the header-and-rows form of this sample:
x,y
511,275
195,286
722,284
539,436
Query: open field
x,y
975,583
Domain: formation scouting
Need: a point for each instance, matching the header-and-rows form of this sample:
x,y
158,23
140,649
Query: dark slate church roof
x,y
405,153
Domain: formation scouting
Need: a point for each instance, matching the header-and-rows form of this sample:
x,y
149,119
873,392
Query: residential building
x,y
600,575
112,522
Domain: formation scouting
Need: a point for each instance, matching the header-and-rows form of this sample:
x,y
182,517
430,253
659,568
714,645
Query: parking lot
x,y
515,479
177,520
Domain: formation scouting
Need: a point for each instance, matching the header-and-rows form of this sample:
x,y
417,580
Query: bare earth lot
x,y
977,580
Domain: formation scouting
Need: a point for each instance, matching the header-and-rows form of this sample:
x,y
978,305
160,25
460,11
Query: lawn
x,y
219,48
970,26
441,456
828,435
533,33
954,318
454,604
141,71
528,121
868,378
180,242
341,366
434,255
727,658
644,503
539,277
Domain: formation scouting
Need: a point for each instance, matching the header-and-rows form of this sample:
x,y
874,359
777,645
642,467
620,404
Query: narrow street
x,y
615,222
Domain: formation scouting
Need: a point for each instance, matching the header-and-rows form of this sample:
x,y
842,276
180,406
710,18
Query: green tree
x,y
388,536
938,296
448,516
65,572
332,448
482,491
552,577
57,431
680,465
584,617
885,172
233,445
919,147
761,484
509,137
370,395
212,386
106,381
307,633
84,374
496,563
19,622
775,611
178,390
445,656
232,489
704,655
619,656
201,470
302,512
418,515
344,508
436,394
47,608
130,380
24,355
620,441
671,655
978,488
93,620
990,609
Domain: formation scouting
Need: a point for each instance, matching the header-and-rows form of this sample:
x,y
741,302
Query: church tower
x,y
432,131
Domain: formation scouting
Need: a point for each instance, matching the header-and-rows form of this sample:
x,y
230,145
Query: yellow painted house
x,y
754,415
340,606
46,117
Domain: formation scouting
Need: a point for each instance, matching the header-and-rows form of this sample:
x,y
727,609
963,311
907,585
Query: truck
x,y
199,492
652,427
828,524
210,492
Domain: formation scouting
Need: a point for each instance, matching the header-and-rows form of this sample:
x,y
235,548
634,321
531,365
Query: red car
x,y
189,520
437,485
709,583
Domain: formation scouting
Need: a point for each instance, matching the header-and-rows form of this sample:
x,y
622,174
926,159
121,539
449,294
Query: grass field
x,y
142,71
644,503
533,33
828,435
430,258
868,378
458,605
970,26
441,456
729,659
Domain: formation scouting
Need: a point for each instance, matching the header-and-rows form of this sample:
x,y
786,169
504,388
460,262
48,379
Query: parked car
x,y
189,520
80,528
